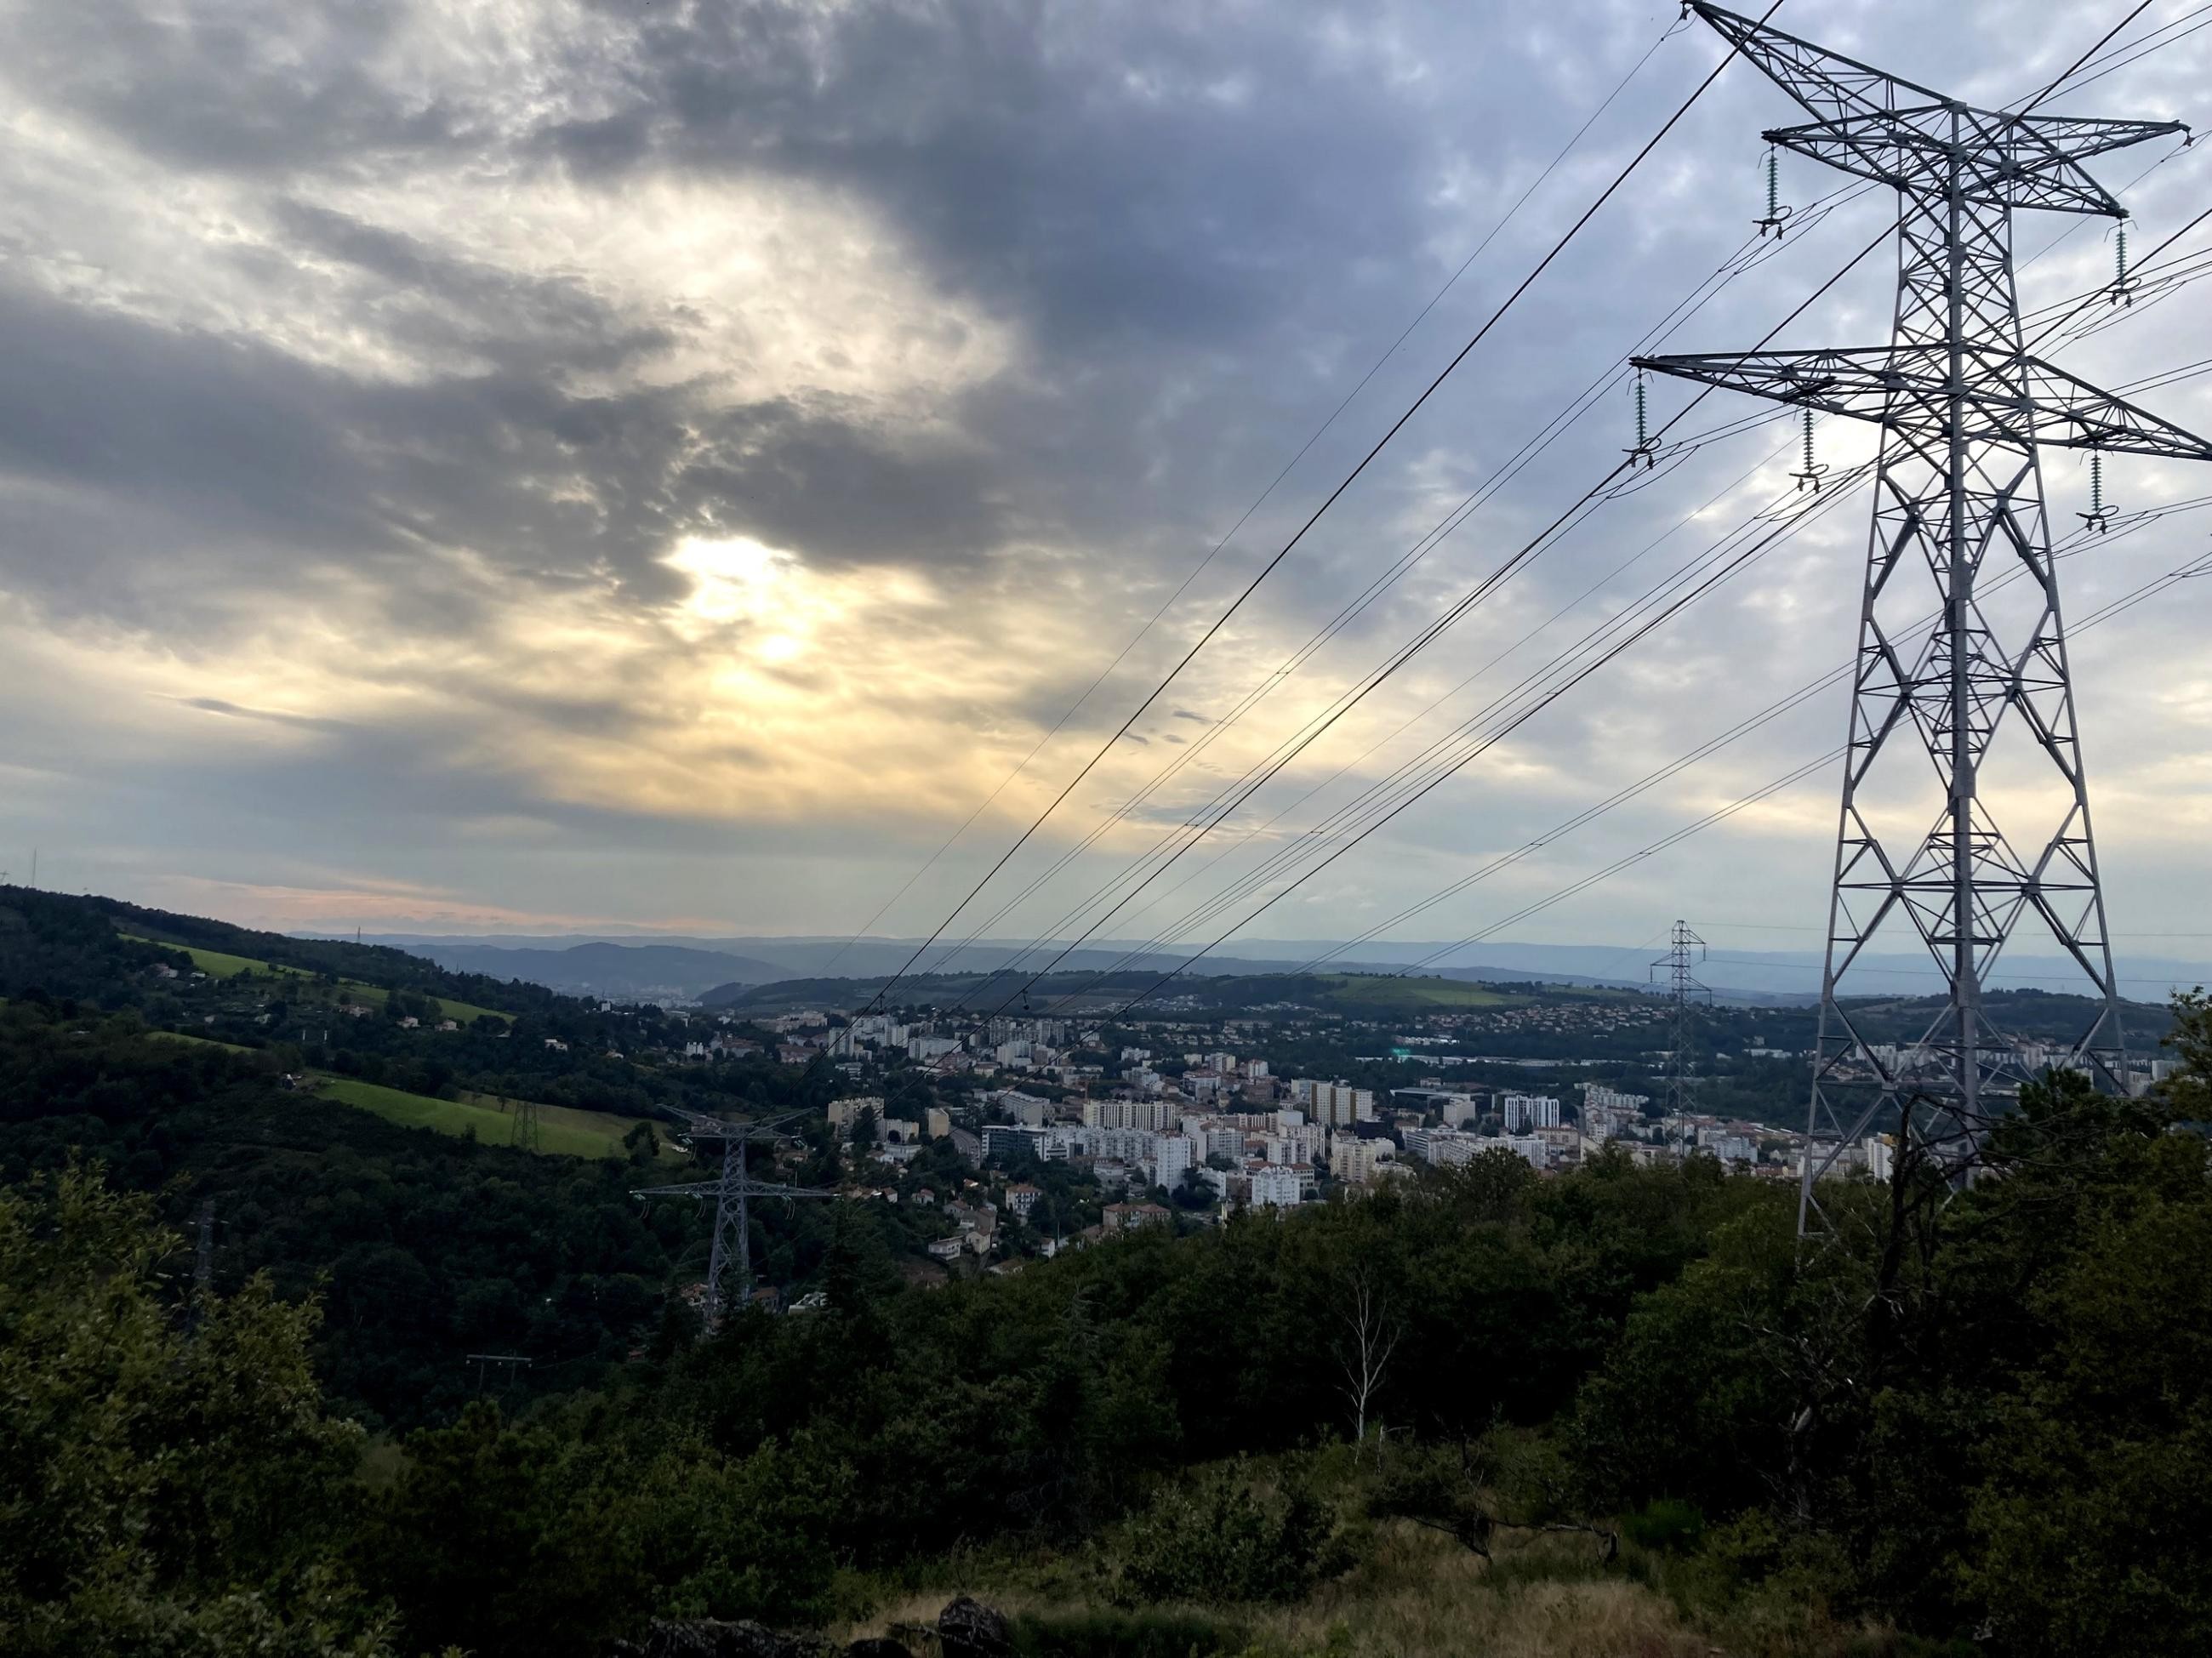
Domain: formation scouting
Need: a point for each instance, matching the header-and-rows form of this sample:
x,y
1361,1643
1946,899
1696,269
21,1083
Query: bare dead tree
x,y
1362,1351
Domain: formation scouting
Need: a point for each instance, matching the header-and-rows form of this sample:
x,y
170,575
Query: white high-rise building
x,y
1335,1103
1171,1156
1527,1111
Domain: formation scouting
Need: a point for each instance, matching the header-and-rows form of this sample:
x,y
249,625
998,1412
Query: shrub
x,y
1216,1539
1668,1524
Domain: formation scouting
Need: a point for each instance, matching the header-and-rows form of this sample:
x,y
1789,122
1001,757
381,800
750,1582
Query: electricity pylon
x,y
1685,950
732,1193
511,1366
526,1130
1986,701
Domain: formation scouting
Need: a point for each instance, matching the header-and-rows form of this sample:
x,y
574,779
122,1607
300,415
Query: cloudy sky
x,y
525,464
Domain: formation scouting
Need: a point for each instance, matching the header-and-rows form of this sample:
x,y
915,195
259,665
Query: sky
x,y
538,466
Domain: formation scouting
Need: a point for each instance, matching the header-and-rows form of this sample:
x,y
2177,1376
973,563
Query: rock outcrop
x,y
969,1629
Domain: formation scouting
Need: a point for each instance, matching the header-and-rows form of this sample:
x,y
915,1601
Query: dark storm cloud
x,y
1140,193
254,87
1155,176
1159,199
187,455
1154,195
437,304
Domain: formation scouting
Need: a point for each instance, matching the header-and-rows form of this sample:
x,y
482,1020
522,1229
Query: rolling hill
x,y
608,970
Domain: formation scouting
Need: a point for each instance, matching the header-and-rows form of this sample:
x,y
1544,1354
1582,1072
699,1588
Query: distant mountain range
x,y
658,966
617,970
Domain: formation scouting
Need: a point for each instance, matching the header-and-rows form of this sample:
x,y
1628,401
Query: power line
x,y
1801,773
1261,500
2087,299
1406,775
2198,567
1468,601
1159,939
1299,747
1352,477
1257,877
1611,653
1740,32
2142,7
1736,265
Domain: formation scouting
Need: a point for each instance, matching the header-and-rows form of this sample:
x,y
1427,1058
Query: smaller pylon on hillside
x,y
1675,972
730,1261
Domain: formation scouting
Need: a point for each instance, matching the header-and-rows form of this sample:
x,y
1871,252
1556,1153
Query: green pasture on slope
x,y
221,964
203,1041
561,1128
1381,991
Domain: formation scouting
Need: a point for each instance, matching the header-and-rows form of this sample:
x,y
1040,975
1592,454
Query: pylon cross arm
x,y
1881,126
2002,397
2015,166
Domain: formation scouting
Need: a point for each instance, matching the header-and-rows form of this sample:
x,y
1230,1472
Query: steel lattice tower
x,y
1685,950
1977,716
526,1130
731,1193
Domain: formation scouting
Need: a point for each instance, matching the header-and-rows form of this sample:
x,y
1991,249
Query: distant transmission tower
x,y
1675,971
1984,706
202,1262
204,1247
511,1366
526,1130
732,1247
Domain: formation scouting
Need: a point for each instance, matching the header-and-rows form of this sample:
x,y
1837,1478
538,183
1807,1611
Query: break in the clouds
x,y
500,463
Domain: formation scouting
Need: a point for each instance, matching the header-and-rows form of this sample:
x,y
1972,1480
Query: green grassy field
x,y
1381,992
1377,990
375,996
203,1041
221,964
562,1128
218,964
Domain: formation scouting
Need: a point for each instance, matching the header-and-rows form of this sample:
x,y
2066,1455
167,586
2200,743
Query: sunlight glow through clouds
x,y
740,579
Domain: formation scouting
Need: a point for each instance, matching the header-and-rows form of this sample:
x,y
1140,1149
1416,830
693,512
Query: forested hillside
x,y
1616,1409
419,1248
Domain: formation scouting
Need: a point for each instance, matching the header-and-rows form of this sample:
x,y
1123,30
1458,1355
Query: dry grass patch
x,y
1415,1595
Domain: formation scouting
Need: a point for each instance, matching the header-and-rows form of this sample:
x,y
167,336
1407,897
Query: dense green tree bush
x,y
169,1483
1217,1538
